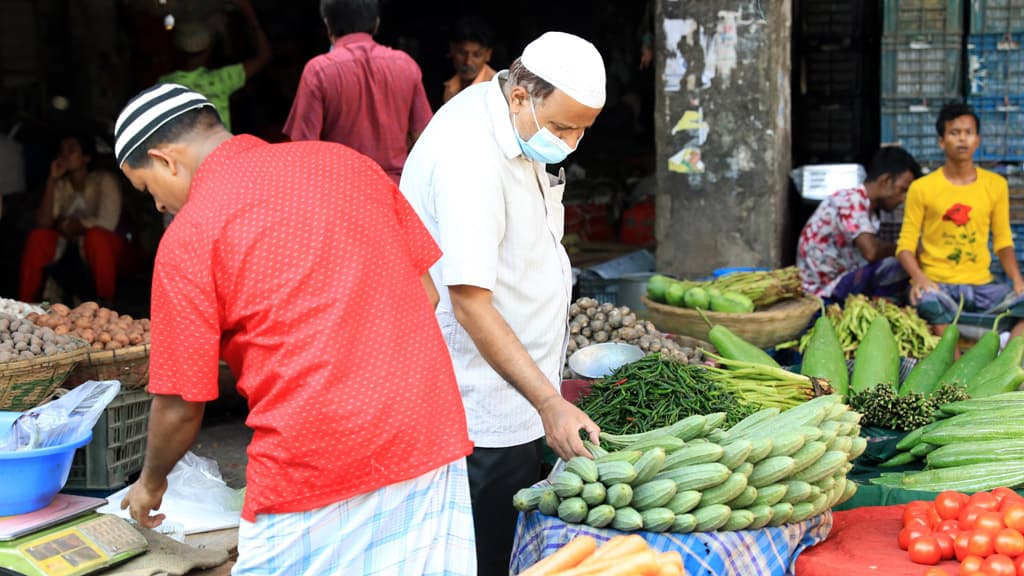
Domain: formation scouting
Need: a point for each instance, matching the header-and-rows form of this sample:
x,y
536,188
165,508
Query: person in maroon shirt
x,y
361,94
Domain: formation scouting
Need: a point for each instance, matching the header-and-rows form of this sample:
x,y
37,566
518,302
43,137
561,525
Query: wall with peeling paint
x,y
723,133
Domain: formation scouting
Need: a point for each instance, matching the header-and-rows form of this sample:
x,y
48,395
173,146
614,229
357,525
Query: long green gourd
x,y
975,359
732,347
824,357
926,374
1001,375
877,360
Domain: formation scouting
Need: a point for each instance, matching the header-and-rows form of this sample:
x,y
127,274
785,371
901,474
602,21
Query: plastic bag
x,y
66,419
197,497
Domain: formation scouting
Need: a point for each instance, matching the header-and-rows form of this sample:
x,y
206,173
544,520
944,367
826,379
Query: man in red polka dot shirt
x,y
302,265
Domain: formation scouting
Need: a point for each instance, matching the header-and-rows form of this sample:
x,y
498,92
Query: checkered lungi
x,y
421,526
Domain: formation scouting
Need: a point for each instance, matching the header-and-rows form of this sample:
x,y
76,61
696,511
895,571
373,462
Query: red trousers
x,y
104,253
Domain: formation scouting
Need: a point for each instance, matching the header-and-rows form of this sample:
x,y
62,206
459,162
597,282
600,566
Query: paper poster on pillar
x,y
687,161
678,33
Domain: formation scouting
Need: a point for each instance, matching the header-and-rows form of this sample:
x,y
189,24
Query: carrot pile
x,y
620,556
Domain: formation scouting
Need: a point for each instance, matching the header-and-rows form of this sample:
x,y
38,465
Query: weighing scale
x,y
67,538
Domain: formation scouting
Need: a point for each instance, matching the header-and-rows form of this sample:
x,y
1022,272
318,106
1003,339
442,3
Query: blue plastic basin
x,y
32,478
725,271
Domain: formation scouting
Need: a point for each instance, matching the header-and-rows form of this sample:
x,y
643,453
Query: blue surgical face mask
x,y
543,146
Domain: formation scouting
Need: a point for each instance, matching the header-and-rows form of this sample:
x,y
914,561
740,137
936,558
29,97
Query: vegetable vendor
x,y
477,178
943,243
839,252
275,249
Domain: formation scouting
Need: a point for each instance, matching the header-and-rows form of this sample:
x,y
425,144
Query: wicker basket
x,y
775,324
129,365
25,384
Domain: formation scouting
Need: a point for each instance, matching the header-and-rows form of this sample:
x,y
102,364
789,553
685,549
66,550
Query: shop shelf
x,y
912,17
911,124
925,67
1002,128
995,64
997,16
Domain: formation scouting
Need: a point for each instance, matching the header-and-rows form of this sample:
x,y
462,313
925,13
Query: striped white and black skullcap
x,y
150,110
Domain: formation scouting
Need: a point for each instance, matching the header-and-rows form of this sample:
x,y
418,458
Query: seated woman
x,y
79,211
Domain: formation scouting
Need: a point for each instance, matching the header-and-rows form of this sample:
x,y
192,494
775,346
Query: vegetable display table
x,y
769,551
863,541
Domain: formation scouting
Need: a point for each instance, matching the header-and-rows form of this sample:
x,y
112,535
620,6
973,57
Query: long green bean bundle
x,y
654,392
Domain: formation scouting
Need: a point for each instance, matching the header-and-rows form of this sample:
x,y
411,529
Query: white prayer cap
x,y
148,111
570,64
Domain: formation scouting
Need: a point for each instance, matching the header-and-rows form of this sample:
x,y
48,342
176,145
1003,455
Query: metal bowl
x,y
600,360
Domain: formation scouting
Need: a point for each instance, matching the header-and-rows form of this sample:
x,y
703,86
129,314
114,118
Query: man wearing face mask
x,y
477,179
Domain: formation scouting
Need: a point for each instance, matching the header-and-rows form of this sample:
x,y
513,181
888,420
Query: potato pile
x,y
23,340
591,322
101,328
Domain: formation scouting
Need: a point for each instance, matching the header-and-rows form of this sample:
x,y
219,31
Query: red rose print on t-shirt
x,y
958,214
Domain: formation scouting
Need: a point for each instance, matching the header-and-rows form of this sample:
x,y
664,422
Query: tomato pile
x,y
983,531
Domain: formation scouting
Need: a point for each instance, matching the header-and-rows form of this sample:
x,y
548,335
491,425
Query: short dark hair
x,y
894,161
86,141
350,16
174,130
951,111
472,28
519,75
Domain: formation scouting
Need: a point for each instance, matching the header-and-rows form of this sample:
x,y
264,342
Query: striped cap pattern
x,y
150,110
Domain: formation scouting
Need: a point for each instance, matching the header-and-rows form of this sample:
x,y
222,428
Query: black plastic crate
x,y
831,70
832,18
830,129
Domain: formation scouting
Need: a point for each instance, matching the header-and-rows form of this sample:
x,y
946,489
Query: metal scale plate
x,y
66,539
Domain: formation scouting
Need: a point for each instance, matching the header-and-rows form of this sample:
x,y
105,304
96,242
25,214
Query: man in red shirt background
x,y
361,94
282,259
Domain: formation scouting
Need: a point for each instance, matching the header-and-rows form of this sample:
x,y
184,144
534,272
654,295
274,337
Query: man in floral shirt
x,y
839,252
943,244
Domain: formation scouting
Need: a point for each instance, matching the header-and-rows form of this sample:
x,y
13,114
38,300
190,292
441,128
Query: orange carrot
x,y
566,557
637,563
616,547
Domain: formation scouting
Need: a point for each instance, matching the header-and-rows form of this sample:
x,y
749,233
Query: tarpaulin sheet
x,y
863,541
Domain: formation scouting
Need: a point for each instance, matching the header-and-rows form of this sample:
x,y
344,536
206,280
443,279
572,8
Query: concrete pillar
x,y
722,133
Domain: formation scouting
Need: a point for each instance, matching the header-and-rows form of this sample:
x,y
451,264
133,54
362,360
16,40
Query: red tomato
x,y
951,527
998,565
968,514
1018,563
971,563
1013,517
1009,542
935,572
945,545
947,504
989,522
984,500
1003,493
925,550
911,514
921,505
960,545
980,544
1010,501
909,534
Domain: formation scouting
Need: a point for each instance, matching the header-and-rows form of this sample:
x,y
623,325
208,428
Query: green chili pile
x,y
654,392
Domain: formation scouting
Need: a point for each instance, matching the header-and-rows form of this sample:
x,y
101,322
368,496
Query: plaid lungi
x,y
421,526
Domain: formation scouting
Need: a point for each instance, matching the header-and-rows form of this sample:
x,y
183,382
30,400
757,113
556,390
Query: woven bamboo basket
x,y
129,365
25,384
775,324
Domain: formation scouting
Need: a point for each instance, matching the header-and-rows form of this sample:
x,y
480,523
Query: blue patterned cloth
x,y
769,551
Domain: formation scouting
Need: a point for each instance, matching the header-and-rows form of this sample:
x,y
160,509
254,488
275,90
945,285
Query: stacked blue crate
x,y
922,53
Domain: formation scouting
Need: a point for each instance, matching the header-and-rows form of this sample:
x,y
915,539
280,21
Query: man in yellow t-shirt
x,y
943,243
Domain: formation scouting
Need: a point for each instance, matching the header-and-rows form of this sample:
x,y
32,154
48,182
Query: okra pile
x,y
882,406
978,445
770,469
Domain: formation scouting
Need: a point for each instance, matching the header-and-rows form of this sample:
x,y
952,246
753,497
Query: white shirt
x,y
499,221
